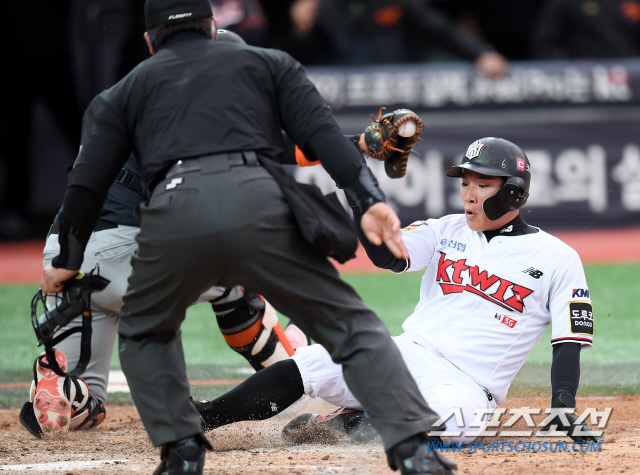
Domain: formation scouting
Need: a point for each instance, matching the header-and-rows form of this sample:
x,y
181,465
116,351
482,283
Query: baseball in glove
x,y
409,127
381,137
391,138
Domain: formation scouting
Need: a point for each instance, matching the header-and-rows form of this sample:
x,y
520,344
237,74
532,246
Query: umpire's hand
x,y
53,278
381,225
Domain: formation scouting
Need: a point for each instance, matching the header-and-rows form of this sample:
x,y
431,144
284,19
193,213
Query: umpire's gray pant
x,y
234,227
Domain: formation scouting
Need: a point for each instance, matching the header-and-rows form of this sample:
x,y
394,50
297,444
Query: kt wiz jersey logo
x,y
481,281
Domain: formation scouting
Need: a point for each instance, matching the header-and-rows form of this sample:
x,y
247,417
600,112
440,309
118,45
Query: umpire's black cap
x,y
159,12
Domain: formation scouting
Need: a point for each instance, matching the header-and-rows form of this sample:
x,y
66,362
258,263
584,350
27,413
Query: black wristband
x,y
71,249
364,190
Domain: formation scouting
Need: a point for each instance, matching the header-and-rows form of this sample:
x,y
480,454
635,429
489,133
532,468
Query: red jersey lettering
x,y
442,268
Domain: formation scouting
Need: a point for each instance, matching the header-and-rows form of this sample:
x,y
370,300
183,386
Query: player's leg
x,y
310,371
450,392
250,326
111,250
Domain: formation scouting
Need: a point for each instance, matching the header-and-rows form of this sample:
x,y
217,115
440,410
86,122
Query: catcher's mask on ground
x,y
52,312
493,156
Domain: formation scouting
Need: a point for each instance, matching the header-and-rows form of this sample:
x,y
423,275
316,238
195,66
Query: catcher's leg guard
x,y
57,400
250,327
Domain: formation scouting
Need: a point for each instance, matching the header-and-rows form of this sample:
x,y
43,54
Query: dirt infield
x,y
120,445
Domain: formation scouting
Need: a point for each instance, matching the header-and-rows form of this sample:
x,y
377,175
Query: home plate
x,y
117,382
60,466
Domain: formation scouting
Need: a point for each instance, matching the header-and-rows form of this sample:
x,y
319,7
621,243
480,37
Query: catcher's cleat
x,y
89,417
51,406
343,422
415,456
185,456
55,400
28,420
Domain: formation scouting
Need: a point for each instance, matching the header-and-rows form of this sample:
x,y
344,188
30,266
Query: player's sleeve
x,y
294,156
572,317
420,237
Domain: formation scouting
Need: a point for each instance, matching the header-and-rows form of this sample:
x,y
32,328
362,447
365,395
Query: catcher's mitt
x,y
381,137
391,138
396,164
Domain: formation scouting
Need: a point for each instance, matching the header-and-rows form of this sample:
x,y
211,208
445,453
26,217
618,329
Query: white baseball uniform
x,y
483,307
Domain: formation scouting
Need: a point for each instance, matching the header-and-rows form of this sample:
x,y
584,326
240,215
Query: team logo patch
x,y
520,164
508,321
474,150
414,225
581,317
580,293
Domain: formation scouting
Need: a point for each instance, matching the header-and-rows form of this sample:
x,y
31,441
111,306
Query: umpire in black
x,y
196,114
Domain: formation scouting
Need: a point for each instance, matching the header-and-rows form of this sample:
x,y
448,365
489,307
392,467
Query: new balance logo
x,y
507,229
535,273
174,182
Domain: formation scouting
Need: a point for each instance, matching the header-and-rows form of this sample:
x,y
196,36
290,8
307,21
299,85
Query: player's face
x,y
476,188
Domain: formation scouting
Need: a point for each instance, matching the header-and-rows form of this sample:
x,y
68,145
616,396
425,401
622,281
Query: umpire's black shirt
x,y
196,97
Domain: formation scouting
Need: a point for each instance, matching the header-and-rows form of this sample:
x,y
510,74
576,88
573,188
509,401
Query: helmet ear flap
x,y
507,199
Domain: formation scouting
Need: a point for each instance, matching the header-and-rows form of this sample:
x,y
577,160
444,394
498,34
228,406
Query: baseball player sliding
x,y
492,284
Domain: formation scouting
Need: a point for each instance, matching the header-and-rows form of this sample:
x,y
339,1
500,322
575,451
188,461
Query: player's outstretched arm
x,y
565,378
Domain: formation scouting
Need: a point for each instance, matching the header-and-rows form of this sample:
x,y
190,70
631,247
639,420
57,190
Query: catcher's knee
x,y
250,327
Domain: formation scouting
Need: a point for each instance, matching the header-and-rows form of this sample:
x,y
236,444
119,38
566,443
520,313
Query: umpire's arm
x,y
104,150
307,119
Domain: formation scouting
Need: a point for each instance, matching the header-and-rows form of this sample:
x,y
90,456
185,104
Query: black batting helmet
x,y
493,156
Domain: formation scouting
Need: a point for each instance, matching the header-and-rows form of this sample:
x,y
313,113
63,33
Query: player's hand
x,y
380,224
578,431
53,278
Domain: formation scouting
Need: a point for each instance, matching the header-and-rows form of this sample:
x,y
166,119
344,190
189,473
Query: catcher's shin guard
x,y
250,327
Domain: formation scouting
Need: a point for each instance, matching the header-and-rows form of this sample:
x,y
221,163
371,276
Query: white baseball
x,y
408,129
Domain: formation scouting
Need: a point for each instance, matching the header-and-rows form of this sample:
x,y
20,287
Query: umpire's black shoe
x,y
184,456
418,456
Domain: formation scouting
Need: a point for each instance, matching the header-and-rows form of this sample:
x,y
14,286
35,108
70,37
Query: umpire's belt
x,y
101,225
217,162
